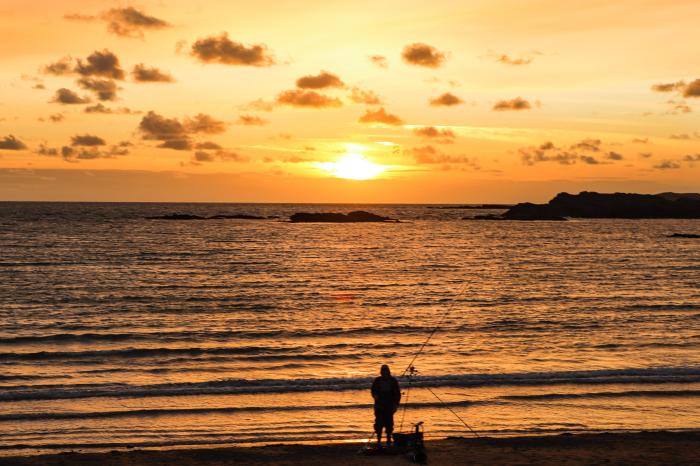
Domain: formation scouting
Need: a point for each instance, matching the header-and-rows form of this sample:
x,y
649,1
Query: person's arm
x,y
397,393
375,389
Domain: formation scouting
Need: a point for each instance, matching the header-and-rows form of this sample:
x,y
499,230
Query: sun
x,y
352,167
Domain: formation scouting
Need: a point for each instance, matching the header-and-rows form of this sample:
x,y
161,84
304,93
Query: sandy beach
x,y
646,448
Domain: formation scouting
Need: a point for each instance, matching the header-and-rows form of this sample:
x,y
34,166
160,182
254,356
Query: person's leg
x,y
389,427
378,425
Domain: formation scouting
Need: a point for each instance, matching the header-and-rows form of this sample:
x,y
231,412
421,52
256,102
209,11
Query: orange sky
x,y
474,101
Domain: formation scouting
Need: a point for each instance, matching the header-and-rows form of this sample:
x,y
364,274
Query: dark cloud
x,y
144,74
692,89
423,55
208,145
667,165
80,17
157,127
320,81
62,67
641,140
692,158
222,154
57,117
67,97
440,136
100,108
668,87
591,145
685,137
362,96
589,159
380,116
515,104
103,63
47,151
176,135
446,100
312,99
104,89
251,120
176,144
221,49
646,155
548,152
206,124
130,22
11,143
379,60
38,86
87,140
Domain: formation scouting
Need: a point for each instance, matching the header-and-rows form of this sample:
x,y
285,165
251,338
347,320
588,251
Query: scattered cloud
x,y
446,100
641,140
423,55
685,137
591,145
100,108
668,87
363,96
124,22
176,135
678,107
667,165
221,49
206,124
130,22
251,120
11,143
380,116
379,60
103,63
308,99
104,89
549,152
207,145
201,156
62,67
322,80
258,105
55,118
692,89
38,86
440,136
688,90
513,61
692,158
144,74
67,97
429,155
87,140
515,104
646,155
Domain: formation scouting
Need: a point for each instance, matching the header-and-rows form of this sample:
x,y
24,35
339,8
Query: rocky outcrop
x,y
332,217
597,205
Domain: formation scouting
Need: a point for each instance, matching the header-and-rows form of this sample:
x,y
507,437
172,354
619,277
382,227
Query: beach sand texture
x,y
647,448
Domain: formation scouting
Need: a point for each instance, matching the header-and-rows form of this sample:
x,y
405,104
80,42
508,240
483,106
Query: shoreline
x,y
639,448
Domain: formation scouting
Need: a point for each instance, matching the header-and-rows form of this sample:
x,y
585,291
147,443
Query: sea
x,y
118,331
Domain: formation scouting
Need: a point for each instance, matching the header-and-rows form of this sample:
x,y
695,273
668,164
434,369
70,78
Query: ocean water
x,y
117,331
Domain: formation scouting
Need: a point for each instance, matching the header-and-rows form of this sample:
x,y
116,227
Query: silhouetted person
x,y
387,395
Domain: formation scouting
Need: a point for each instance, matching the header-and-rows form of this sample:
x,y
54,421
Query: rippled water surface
x,y
116,330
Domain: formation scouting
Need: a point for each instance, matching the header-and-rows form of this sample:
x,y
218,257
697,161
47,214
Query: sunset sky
x,y
277,101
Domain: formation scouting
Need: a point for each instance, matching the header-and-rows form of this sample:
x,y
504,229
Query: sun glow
x,y
352,167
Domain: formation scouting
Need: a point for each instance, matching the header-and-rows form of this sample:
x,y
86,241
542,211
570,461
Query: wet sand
x,y
646,448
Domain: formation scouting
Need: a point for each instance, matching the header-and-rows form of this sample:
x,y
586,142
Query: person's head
x,y
385,371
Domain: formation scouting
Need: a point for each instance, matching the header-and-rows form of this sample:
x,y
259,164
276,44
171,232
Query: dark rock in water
x,y
237,216
597,205
326,217
177,217
526,216
683,235
474,206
